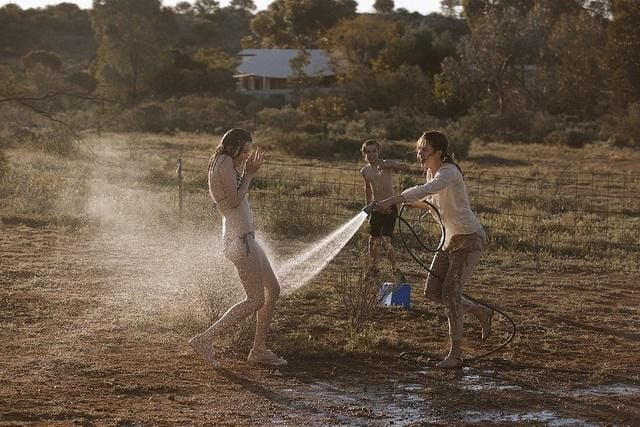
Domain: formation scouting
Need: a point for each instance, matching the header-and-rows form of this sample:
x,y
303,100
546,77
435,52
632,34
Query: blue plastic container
x,y
392,294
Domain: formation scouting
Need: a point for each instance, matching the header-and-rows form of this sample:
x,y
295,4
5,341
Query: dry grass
x,y
96,255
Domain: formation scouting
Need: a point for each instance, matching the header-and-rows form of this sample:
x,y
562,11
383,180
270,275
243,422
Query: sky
x,y
422,6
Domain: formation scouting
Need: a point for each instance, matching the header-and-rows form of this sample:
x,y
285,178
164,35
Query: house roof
x,y
275,63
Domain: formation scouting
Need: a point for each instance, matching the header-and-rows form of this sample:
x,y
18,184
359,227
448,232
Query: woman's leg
x,y
248,262
463,256
271,289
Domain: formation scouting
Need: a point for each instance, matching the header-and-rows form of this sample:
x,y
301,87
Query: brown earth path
x,y
70,357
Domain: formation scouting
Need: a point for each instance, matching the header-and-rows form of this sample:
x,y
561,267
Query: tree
x,y
623,47
567,59
183,8
451,8
494,54
384,6
206,7
299,23
243,4
133,38
360,41
574,71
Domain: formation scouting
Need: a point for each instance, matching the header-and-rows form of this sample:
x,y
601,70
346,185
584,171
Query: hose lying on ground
x,y
434,250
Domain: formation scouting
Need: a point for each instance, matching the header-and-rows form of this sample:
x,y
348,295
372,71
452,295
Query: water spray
x,y
298,271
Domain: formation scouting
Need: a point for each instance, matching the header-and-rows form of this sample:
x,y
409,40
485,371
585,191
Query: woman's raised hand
x,y
254,161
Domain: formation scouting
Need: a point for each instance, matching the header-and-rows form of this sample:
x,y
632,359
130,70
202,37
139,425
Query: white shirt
x,y
447,192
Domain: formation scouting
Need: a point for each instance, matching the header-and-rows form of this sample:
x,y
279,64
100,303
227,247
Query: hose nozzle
x,y
370,208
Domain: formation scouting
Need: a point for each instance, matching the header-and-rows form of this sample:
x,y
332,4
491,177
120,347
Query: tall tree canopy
x,y
299,23
133,38
623,47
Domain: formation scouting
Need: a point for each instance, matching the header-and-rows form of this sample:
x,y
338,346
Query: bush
x,y
400,124
541,125
346,148
302,144
146,117
397,151
195,113
631,124
286,119
577,138
459,140
358,289
367,125
572,137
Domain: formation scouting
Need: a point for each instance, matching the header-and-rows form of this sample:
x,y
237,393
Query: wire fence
x,y
569,212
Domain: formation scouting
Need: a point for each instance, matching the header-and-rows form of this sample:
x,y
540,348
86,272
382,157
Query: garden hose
x,y
436,213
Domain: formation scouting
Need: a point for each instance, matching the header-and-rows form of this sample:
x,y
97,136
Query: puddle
x,y
408,402
607,390
549,418
484,380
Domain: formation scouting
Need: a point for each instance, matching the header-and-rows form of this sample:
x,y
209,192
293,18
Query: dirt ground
x,y
94,323
71,356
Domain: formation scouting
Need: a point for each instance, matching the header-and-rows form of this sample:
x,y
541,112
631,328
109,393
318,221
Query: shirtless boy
x,y
378,185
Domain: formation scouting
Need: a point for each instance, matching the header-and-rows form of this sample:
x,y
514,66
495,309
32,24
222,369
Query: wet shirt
x,y
447,192
224,185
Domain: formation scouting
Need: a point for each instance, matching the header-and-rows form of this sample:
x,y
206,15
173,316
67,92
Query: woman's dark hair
x,y
231,144
439,142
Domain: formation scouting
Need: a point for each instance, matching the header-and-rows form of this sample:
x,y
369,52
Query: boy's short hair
x,y
367,143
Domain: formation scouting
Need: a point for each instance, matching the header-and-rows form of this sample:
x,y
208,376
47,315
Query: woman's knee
x,y
452,292
273,291
255,302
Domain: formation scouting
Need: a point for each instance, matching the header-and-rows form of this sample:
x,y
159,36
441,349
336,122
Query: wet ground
x,y
77,349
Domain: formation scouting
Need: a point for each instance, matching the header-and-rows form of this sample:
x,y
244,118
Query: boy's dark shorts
x,y
383,224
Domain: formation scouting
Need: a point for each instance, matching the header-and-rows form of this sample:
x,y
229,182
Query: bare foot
x,y
205,350
451,362
265,357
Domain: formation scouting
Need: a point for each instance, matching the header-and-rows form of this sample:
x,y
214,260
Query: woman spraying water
x,y
231,169
464,238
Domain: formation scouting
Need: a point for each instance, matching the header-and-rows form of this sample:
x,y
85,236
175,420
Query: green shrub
x,y
401,124
286,119
398,151
302,144
459,140
556,137
146,117
346,148
577,138
541,125
196,113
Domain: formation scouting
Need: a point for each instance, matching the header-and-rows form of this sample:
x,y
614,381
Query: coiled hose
x,y
436,213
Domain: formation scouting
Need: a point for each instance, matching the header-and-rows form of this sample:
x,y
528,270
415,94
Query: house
x,y
265,73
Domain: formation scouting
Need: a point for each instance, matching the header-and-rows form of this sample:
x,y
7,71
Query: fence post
x,y
179,173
